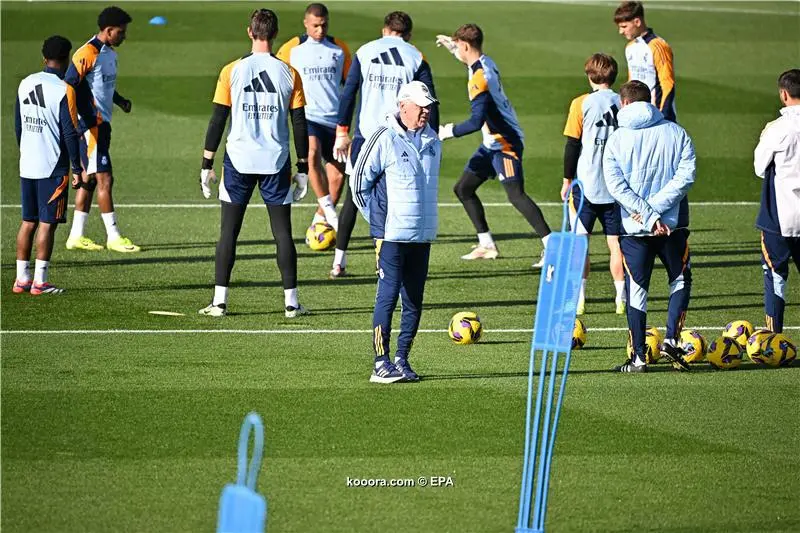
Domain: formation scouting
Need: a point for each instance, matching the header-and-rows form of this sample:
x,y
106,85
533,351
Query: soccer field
x,y
114,419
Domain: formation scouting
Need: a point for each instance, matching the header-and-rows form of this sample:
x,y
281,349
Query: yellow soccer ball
x,y
320,236
724,353
694,346
738,330
578,335
753,346
652,345
778,350
465,328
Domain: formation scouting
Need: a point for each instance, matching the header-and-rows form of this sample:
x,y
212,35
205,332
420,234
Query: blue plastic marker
x,y
158,21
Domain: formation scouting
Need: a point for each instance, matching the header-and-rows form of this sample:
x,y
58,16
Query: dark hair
x,y
318,10
627,11
56,48
635,91
789,81
264,24
470,34
113,16
601,68
398,22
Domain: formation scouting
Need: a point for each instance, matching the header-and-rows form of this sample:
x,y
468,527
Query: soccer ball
x,y
465,328
652,345
320,236
694,346
738,330
778,350
578,335
753,346
724,353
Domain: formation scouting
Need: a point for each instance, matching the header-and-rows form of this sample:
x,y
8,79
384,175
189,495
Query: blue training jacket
x,y
396,186
649,167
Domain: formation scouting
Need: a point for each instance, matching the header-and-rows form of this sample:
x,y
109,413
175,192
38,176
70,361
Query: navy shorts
x,y
608,214
237,188
95,145
488,164
327,138
45,200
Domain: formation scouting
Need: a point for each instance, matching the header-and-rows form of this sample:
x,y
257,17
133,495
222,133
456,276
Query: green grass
x,y
138,431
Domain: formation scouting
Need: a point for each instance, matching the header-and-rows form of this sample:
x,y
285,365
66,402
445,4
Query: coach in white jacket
x,y
649,166
777,161
395,186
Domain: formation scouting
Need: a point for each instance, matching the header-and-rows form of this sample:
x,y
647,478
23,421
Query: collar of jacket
x,y
428,135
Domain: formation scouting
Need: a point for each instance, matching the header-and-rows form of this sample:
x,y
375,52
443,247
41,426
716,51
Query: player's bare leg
x,y
83,203
45,235
115,241
319,183
617,273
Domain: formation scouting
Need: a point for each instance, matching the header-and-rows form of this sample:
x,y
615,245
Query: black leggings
x,y
280,220
466,188
347,220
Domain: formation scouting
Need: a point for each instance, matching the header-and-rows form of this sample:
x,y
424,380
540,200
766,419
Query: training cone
x,y
158,21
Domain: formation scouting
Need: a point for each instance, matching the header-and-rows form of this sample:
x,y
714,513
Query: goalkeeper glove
x,y
447,42
300,181
207,177
341,147
446,132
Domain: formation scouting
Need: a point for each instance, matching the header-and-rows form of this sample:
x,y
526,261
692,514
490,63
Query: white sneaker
x,y
482,252
540,262
294,312
214,310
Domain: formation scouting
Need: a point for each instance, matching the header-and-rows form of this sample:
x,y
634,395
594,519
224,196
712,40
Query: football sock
x,y
486,240
23,270
78,224
220,295
40,271
620,287
638,361
340,258
545,239
280,221
582,295
379,360
110,221
330,212
317,218
290,298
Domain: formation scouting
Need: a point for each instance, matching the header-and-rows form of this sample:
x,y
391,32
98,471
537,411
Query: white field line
x,y
441,204
279,331
681,6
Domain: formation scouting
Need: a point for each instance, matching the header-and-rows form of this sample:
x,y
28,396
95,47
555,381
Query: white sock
x,y
317,218
220,295
40,271
290,298
545,239
620,287
23,271
485,239
340,258
582,295
78,223
637,361
330,212
110,220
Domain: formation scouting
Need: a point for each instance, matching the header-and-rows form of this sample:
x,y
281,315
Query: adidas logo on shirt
x,y
36,97
261,84
386,60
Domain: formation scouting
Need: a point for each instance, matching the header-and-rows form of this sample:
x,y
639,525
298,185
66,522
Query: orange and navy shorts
x,y
45,200
488,164
95,145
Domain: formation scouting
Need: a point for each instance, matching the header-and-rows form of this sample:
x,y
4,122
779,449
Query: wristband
x,y
208,164
342,130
